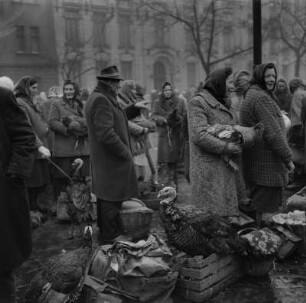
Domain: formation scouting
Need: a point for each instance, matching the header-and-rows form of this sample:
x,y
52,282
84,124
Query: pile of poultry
x,y
202,235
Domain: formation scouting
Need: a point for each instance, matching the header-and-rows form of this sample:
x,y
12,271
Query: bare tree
x,y
291,23
286,27
205,21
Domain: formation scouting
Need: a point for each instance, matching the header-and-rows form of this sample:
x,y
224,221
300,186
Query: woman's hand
x,y
290,166
232,148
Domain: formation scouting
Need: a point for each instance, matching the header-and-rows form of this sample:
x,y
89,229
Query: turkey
x,y
207,234
240,135
61,278
79,206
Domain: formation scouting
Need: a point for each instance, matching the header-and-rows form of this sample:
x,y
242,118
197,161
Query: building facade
x,y
54,40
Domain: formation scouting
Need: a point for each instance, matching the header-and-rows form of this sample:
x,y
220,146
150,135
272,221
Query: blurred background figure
x,y
241,83
282,95
168,113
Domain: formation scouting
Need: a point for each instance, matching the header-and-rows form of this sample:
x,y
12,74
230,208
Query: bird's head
x,y
77,164
167,194
87,236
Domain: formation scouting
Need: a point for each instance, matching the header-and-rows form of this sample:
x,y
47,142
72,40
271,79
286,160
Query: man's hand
x,y
290,166
44,151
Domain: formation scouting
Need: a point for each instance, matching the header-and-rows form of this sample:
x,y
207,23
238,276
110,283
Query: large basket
x,y
150,199
257,266
136,222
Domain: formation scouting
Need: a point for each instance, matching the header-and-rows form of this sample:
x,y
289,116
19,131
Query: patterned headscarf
x,y
259,74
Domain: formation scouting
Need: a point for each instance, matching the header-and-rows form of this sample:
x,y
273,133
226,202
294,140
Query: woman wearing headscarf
x,y
139,126
241,81
269,160
168,114
26,89
213,182
67,121
282,95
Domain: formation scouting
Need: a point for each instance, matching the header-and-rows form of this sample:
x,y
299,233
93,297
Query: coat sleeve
x,y
38,142
102,118
21,136
273,134
54,120
197,125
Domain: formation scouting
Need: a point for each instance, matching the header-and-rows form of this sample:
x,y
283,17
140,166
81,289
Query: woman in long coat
x,y
213,182
25,89
269,160
70,141
17,147
168,113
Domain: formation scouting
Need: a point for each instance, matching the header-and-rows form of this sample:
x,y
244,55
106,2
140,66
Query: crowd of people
x,y
109,130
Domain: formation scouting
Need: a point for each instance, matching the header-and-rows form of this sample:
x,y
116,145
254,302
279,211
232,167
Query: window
x,y
99,32
191,74
34,40
125,31
20,37
72,28
160,34
126,70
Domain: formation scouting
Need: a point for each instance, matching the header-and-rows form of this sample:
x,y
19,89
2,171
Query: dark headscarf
x,y
22,87
216,84
125,92
259,75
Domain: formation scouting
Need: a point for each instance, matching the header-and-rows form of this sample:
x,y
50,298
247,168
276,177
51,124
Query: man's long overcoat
x,y
113,171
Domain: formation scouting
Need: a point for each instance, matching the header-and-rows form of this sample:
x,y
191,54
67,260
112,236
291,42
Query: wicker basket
x,y
136,222
257,266
150,199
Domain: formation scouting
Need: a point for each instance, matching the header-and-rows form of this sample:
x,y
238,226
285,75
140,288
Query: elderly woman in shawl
x,y
139,125
269,160
214,183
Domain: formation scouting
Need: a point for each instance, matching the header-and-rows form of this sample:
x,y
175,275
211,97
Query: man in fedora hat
x,y
113,172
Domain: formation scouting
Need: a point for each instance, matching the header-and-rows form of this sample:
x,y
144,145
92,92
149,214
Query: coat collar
x,y
106,91
214,103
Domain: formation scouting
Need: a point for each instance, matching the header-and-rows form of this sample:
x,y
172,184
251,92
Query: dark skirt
x,y
266,199
40,175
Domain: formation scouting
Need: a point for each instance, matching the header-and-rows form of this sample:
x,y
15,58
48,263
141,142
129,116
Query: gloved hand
x,y
44,151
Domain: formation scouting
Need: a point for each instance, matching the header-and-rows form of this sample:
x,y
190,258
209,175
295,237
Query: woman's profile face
x,y
229,84
69,91
167,91
34,89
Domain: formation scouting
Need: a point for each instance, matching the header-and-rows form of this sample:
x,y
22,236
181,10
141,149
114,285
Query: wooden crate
x,y
202,278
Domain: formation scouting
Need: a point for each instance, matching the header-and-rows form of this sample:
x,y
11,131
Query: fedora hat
x,y
110,73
